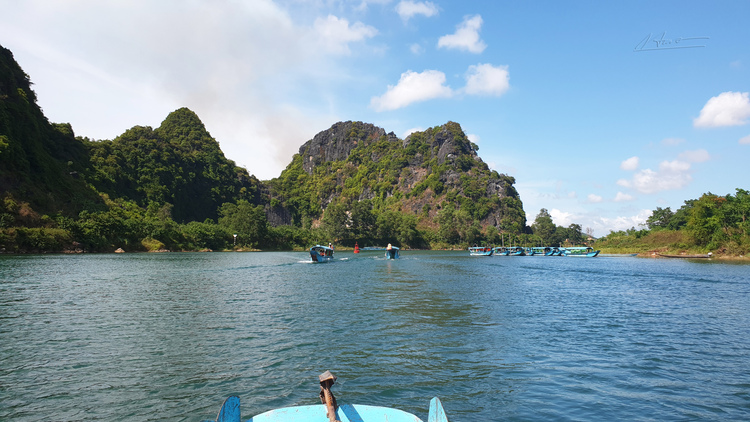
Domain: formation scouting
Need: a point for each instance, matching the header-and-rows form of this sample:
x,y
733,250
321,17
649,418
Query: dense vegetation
x,y
711,223
429,190
171,188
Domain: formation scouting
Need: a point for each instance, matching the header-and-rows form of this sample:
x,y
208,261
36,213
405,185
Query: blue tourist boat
x,y
501,251
481,251
517,251
391,252
320,253
580,251
329,411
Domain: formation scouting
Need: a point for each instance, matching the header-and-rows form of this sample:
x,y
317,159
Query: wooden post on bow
x,y
327,379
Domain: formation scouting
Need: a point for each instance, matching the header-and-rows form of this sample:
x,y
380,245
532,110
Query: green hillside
x,y
172,188
434,181
40,163
179,163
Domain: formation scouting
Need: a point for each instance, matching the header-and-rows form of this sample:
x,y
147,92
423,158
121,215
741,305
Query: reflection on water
x,y
169,336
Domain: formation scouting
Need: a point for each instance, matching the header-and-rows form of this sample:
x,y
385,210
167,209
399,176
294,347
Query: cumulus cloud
x,y
408,9
745,140
335,34
473,138
562,218
630,164
670,176
695,156
603,224
623,197
486,79
726,109
466,36
412,87
593,198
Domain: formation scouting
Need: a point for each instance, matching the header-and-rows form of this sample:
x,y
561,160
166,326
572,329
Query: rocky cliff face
x,y
355,161
336,143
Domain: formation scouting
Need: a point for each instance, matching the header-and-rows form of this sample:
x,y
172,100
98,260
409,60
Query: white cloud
x,y
672,141
412,87
695,156
745,140
562,218
623,197
630,164
593,199
466,36
486,79
408,9
336,34
603,225
726,109
416,49
671,175
473,138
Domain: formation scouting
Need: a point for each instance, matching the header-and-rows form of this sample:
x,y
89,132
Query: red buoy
x,y
356,247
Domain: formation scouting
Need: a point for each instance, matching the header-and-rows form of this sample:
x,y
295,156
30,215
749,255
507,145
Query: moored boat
x,y
329,411
481,251
580,251
501,251
708,255
320,253
517,251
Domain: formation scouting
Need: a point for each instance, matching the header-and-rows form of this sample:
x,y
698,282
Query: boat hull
x,y
230,412
345,413
481,251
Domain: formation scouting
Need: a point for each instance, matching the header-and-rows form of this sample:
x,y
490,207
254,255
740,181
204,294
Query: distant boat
x,y
517,251
580,251
391,252
481,251
320,253
501,251
708,255
329,410
550,251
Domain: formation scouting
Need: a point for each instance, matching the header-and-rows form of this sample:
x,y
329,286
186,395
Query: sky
x,y
601,111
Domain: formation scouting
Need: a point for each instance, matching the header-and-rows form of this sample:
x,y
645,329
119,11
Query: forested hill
x,y
179,163
172,187
435,175
39,162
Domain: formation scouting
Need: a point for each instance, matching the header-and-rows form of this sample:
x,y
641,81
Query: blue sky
x,y
602,111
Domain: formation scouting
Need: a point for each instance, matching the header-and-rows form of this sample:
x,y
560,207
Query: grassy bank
x,y
648,243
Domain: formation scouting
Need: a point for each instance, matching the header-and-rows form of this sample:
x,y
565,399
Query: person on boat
x,y
330,245
389,247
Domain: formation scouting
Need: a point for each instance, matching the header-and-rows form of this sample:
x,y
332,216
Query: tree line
x,y
710,223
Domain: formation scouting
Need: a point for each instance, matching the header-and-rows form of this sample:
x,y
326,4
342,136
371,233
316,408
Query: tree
x,y
336,221
659,218
363,221
543,226
246,220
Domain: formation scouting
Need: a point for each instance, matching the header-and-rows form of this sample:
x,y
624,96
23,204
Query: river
x,y
167,337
